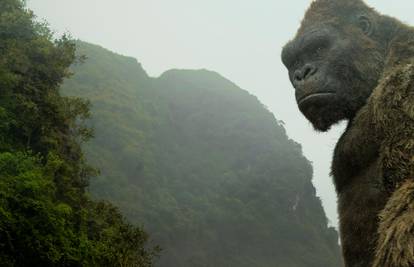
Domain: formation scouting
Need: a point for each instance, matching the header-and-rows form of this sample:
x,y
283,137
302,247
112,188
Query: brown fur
x,y
381,140
393,107
396,244
373,164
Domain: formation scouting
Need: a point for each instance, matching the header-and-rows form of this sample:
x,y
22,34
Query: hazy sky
x,y
240,39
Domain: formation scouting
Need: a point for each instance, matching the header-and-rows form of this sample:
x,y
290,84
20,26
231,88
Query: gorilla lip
x,y
313,95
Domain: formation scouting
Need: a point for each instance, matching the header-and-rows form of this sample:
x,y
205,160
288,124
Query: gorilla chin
x,y
322,109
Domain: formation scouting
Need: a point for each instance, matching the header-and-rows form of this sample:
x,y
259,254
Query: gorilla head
x,y
336,59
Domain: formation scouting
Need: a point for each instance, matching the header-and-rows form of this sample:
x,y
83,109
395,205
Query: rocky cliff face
x,y
202,165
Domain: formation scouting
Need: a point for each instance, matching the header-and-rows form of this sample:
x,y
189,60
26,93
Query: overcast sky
x,y
240,39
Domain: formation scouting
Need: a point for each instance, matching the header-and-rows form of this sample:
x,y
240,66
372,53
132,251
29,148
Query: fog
x,y
240,39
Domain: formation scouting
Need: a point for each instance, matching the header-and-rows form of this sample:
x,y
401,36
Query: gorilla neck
x,y
356,149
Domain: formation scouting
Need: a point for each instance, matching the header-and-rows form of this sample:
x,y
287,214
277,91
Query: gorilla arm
x,y
395,246
392,104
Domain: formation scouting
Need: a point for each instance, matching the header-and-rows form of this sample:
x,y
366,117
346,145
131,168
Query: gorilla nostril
x,y
298,76
308,70
304,73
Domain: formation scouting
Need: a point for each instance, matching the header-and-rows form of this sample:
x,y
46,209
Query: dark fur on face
x,y
334,62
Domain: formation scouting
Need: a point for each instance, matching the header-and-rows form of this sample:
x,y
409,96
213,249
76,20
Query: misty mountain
x,y
202,165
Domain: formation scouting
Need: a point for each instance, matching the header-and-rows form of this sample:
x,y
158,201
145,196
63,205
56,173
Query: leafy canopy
x,y
46,216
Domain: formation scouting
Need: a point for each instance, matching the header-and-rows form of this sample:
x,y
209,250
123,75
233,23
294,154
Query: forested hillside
x,y
202,166
46,216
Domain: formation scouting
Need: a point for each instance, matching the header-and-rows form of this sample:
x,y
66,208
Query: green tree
x,y
46,216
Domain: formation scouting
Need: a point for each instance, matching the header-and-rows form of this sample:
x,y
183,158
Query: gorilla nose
x,y
304,73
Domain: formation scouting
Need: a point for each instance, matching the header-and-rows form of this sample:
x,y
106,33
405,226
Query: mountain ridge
x,y
203,165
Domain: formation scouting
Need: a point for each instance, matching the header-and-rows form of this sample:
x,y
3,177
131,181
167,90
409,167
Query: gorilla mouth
x,y
307,97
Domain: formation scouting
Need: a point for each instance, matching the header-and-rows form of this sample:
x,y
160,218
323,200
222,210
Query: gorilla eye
x,y
316,48
319,50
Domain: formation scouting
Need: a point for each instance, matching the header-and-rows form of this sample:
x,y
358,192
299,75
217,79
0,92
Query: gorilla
x,y
349,62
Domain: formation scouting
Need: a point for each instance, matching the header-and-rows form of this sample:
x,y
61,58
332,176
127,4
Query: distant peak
x,y
198,78
189,71
110,62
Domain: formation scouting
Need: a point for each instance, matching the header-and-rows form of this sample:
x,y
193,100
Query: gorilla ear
x,y
365,24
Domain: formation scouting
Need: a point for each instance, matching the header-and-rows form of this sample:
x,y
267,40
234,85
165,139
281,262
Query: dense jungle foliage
x,y
46,215
202,165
